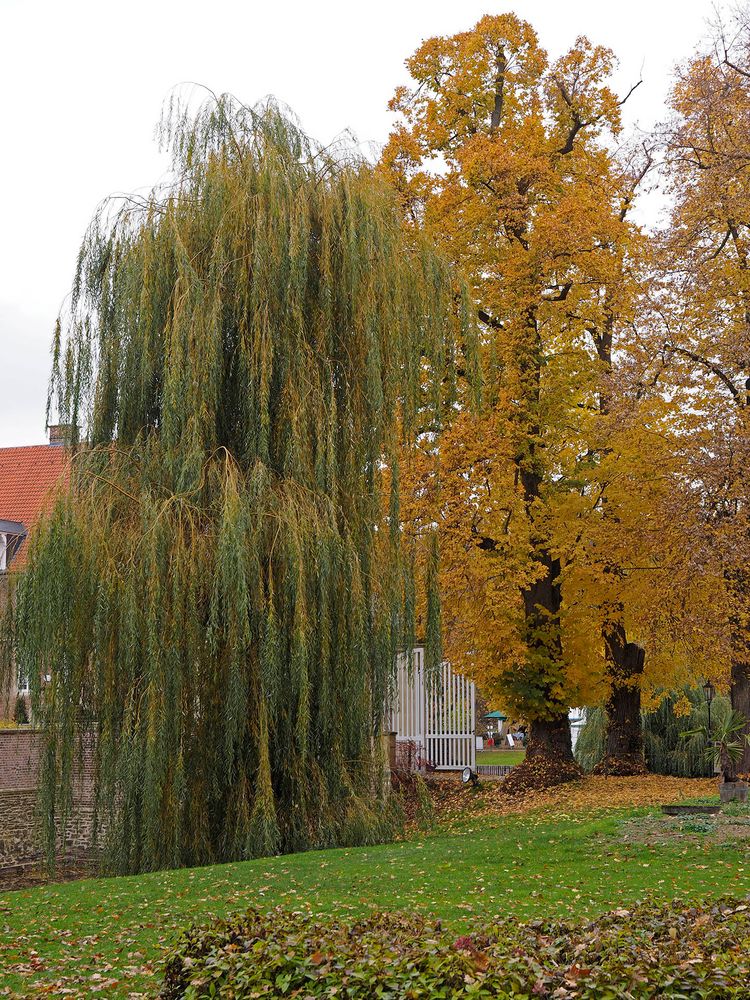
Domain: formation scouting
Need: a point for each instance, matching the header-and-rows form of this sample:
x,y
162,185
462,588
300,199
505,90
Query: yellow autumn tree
x,y
705,313
498,154
549,564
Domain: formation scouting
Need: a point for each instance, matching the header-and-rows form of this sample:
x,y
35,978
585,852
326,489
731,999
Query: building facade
x,y
30,478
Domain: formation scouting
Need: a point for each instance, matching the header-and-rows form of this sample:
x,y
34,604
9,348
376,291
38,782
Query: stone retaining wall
x,y
20,832
20,840
20,828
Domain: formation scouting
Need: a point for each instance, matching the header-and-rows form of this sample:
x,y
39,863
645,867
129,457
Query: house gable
x,y
29,480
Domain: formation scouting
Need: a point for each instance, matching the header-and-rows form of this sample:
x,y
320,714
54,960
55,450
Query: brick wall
x,y
20,832
20,751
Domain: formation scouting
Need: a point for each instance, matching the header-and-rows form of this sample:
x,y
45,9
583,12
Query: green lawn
x,y
500,756
106,937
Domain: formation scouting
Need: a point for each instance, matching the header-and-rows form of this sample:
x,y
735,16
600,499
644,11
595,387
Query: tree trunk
x,y
625,660
549,753
624,731
542,602
549,757
740,696
624,749
550,738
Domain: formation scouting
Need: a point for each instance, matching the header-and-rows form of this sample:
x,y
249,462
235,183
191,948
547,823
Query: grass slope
x,y
500,756
107,936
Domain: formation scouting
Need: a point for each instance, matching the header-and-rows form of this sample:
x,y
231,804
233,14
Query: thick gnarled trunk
x,y
550,738
549,758
542,602
549,754
624,747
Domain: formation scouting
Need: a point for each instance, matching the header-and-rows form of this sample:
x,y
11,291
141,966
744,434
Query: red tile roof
x,y
28,478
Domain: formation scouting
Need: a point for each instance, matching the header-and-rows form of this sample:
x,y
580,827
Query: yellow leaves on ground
x,y
456,804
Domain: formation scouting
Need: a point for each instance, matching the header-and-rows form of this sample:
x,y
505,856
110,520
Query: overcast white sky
x,y
82,85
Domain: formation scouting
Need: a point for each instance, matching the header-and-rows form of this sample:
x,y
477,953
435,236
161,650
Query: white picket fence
x,y
436,715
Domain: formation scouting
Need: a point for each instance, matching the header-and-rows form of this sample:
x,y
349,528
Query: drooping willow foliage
x,y
667,751
591,742
220,596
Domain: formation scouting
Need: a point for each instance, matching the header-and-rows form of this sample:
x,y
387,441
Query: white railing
x,y
436,714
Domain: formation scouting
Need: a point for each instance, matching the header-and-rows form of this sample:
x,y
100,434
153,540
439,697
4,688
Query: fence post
x,y
391,737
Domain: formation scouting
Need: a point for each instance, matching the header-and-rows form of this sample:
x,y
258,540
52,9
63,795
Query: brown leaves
x,y
539,772
454,803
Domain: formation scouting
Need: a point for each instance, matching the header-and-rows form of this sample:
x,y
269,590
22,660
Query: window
x,y
12,535
23,681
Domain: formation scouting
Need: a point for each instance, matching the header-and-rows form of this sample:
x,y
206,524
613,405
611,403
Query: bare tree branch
x,y
488,320
709,366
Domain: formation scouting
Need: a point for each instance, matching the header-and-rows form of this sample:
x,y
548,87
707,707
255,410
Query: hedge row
x,y
670,951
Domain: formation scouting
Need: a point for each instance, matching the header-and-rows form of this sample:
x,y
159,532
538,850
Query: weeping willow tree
x,y
667,750
220,595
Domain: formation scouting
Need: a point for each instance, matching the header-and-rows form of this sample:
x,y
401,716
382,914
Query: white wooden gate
x,y
437,716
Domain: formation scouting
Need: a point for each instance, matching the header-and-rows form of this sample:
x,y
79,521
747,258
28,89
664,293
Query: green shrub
x,y
21,711
425,805
668,951
698,824
667,751
591,741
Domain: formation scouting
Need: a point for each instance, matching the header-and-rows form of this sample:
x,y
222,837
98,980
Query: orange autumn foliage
x,y
704,317
559,499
